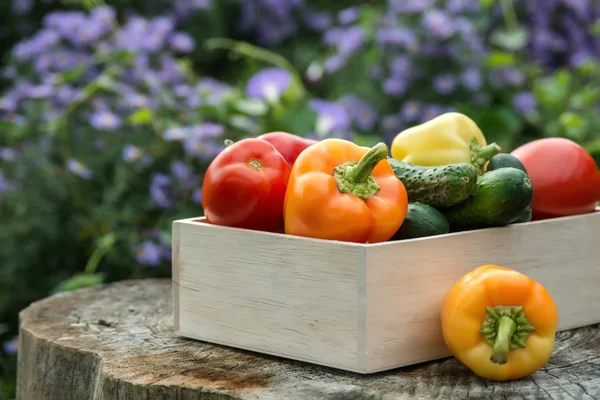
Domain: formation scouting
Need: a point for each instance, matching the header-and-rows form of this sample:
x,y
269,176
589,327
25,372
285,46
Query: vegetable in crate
x,y
341,191
501,197
565,177
245,185
422,220
437,186
499,323
289,145
504,160
451,138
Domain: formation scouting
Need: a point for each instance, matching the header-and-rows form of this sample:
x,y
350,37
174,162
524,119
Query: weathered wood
x,y
117,342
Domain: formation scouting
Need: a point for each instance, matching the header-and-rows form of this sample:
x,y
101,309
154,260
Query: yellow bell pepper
x,y
499,323
447,139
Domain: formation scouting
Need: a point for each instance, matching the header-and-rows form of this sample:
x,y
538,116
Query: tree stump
x,y
116,342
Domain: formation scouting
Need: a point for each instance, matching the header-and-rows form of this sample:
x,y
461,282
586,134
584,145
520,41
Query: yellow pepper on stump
x,y
450,138
499,323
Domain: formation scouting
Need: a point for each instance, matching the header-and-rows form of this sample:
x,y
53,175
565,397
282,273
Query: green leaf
x,y
299,121
245,124
587,96
74,74
4,328
78,281
512,40
141,117
553,91
368,140
253,107
487,4
501,125
498,59
574,125
595,28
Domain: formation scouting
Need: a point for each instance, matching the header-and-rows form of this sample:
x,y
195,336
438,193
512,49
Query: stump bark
x,y
116,342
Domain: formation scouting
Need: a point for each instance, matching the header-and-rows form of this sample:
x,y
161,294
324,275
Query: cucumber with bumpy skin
x,y
422,220
501,198
438,186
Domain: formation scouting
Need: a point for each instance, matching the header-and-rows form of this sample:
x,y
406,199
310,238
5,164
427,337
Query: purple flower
x,y
332,117
201,143
182,42
175,134
462,6
391,125
444,83
184,174
438,23
7,154
471,78
22,7
132,153
348,15
411,110
432,110
346,39
268,84
317,20
4,184
11,347
197,196
361,112
524,102
334,63
150,253
403,37
77,168
401,66
105,120
410,6
395,86
160,190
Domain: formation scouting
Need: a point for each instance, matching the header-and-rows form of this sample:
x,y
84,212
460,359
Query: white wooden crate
x,y
364,308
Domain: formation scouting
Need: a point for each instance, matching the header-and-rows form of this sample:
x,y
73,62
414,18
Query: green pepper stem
x,y
361,171
357,178
506,328
481,155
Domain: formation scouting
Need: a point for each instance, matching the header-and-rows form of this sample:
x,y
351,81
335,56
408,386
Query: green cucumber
x,y
501,198
422,220
504,160
525,216
438,186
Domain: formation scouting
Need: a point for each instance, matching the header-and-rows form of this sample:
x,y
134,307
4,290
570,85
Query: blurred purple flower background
x,y
110,115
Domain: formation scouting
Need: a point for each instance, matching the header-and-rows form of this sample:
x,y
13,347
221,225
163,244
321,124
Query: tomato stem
x,y
357,178
505,328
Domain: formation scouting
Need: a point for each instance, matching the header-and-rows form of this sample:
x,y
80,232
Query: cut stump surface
x,y
116,342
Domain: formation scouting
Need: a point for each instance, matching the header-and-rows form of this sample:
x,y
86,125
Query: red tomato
x,y
244,186
290,146
565,178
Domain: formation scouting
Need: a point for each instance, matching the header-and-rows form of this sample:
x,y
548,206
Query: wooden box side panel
x,y
275,294
406,281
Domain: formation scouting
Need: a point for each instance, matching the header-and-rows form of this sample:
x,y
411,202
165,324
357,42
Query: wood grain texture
x,y
116,342
413,276
272,293
365,308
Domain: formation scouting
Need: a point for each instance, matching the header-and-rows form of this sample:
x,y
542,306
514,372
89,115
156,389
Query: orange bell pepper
x,y
341,191
499,323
